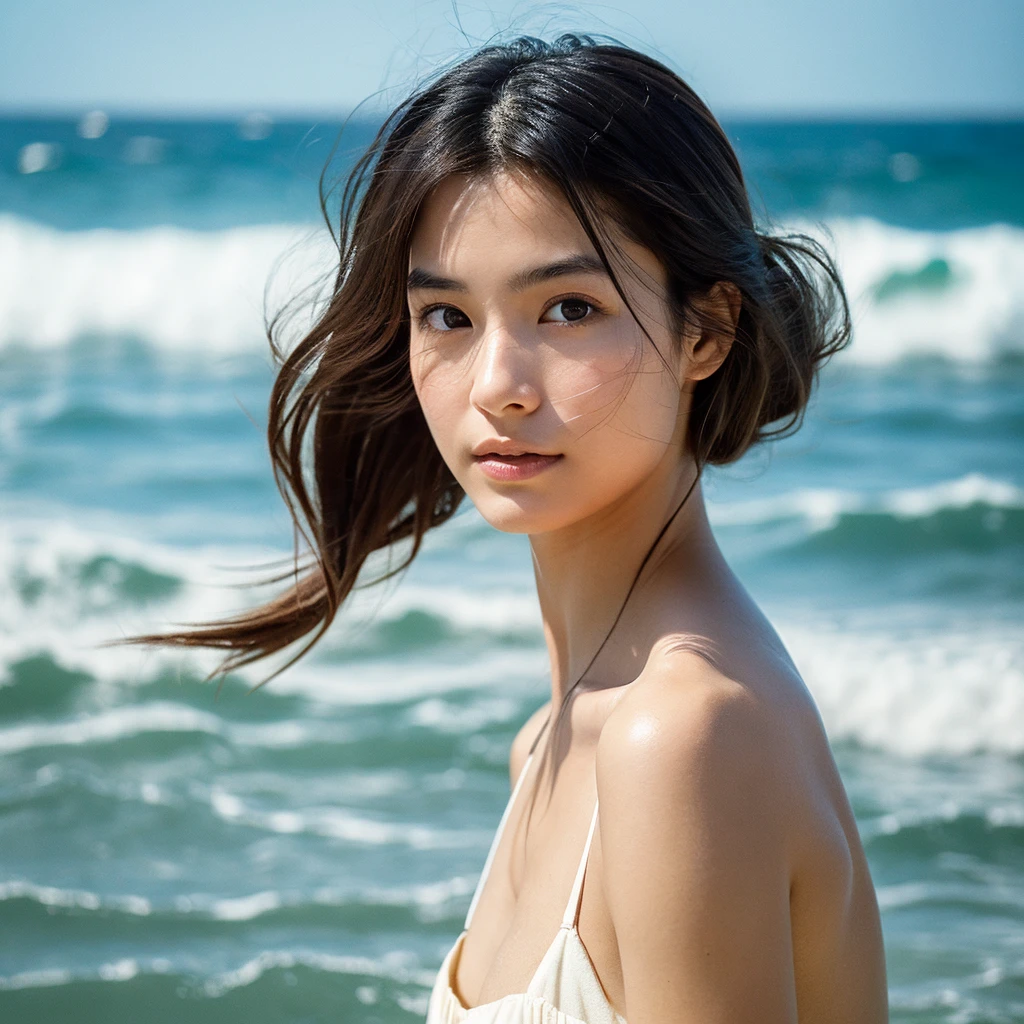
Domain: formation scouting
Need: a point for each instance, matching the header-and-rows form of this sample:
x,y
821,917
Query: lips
x,y
510,468
512,458
507,447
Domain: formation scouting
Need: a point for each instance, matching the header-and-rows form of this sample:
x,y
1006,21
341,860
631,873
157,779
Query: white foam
x,y
916,680
174,288
482,607
182,290
93,125
978,316
119,970
444,716
245,908
120,723
952,690
334,823
81,899
46,977
39,156
68,619
108,726
396,965
821,507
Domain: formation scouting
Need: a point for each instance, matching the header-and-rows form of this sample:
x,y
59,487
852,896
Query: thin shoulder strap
x,y
572,908
494,842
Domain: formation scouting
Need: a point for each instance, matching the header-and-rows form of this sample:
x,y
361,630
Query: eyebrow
x,y
578,263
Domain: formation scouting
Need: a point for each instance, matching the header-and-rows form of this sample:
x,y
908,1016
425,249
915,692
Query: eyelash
x,y
595,310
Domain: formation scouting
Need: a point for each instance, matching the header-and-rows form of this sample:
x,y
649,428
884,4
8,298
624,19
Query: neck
x,y
584,572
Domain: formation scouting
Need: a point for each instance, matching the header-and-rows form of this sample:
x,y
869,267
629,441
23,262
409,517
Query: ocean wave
x,y
64,573
428,901
918,680
953,294
116,725
73,899
973,513
822,508
954,688
171,288
956,295
397,967
71,586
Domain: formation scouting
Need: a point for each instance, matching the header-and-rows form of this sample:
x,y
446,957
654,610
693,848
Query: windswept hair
x,y
621,136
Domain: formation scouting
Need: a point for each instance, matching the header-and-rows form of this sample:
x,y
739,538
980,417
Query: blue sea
x,y
306,851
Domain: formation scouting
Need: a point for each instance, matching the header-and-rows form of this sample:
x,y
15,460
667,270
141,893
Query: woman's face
x,y
520,343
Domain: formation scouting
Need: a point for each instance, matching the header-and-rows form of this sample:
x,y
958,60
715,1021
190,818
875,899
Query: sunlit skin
x,y
726,881
557,364
593,390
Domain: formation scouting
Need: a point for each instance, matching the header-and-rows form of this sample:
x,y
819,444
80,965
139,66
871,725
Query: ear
x,y
705,350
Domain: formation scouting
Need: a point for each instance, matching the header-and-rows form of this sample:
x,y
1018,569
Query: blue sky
x,y
917,57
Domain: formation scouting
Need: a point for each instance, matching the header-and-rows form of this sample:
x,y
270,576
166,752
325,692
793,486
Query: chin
x,y
509,517
530,513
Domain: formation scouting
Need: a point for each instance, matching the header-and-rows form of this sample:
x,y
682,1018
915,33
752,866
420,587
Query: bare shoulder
x,y
695,812
524,740
691,732
683,711
731,864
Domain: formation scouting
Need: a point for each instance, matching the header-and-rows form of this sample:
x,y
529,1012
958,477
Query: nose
x,y
503,382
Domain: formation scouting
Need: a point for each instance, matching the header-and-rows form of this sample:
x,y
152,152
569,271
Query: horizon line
x,y
285,113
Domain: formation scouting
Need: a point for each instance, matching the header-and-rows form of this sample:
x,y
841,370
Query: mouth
x,y
514,458
502,446
514,467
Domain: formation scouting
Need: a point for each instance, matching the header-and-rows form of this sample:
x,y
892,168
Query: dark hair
x,y
618,134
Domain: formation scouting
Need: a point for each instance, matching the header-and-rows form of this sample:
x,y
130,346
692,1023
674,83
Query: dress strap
x,y
572,908
494,842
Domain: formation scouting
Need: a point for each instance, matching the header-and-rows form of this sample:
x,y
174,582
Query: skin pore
x,y
726,881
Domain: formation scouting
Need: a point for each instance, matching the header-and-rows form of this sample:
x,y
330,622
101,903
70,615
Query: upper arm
x,y
524,740
695,862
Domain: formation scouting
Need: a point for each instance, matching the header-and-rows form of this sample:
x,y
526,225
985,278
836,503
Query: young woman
x,y
552,298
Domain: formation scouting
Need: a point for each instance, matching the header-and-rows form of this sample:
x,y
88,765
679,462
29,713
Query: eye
x,y
444,318
569,310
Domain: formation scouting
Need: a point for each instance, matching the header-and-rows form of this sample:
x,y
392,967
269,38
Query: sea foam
x,y
957,294
900,681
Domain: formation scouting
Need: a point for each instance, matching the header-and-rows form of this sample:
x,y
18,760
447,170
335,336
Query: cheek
x,y
621,399
439,386
625,422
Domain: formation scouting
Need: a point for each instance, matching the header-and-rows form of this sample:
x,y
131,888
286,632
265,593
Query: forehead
x,y
472,224
493,212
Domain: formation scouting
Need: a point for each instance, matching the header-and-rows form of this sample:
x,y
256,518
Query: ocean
x,y
306,851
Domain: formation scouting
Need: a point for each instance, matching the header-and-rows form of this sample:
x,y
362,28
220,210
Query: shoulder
x,y
694,784
690,750
685,715
524,740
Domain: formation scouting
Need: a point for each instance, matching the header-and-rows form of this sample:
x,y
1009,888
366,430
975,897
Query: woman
x,y
552,298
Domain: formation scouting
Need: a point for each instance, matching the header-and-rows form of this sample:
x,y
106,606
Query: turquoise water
x,y
307,851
